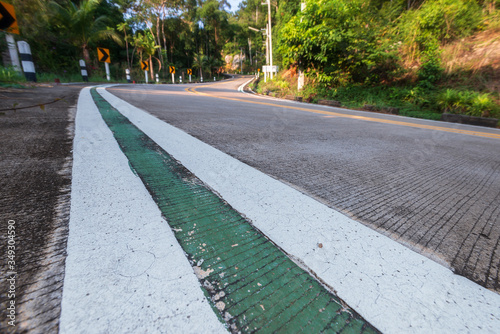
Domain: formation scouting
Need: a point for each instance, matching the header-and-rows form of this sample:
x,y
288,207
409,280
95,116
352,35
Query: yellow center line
x,y
361,118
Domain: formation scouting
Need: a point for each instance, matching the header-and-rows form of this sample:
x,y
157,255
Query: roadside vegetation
x,y
181,33
423,57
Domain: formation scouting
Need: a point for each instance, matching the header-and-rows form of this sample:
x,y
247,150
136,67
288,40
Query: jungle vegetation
x,y
422,56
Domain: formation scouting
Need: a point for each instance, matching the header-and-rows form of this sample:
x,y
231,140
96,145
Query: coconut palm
x,y
200,62
145,45
80,25
124,27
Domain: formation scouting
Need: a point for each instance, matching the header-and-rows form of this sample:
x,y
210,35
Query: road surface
x,y
203,208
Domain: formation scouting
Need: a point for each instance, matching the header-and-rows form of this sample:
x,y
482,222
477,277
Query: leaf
x,y
42,106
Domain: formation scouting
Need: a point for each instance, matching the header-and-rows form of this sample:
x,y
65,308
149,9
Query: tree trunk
x,y
151,68
86,57
126,45
160,56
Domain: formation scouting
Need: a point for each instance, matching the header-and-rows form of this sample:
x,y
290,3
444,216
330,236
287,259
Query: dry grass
x,y
473,53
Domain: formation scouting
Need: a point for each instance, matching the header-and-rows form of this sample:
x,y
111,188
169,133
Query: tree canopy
x,y
336,41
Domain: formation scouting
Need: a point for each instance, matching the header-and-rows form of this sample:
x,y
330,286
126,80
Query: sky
x,y
234,4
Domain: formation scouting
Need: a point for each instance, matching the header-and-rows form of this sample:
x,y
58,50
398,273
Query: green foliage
x,y
80,26
340,41
277,86
468,103
442,20
10,75
430,70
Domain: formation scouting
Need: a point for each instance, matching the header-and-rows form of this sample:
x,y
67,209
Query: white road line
x,y
396,289
125,271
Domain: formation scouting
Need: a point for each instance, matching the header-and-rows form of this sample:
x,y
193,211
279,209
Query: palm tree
x,y
145,45
123,27
200,61
81,26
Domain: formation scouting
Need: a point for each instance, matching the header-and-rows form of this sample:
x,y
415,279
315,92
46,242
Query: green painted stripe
x,y
248,280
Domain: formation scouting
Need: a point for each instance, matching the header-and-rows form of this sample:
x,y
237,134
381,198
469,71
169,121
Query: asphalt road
x,y
35,182
432,186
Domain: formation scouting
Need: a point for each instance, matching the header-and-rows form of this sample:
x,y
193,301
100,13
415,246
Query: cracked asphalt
x,y
436,192
35,181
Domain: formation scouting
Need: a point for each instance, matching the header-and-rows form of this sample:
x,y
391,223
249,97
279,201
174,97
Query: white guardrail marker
x,y
27,60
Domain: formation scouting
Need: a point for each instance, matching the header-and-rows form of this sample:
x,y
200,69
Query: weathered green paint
x,y
250,282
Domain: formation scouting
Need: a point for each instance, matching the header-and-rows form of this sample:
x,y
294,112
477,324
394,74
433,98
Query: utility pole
x,y
301,69
264,31
241,60
267,43
250,49
269,35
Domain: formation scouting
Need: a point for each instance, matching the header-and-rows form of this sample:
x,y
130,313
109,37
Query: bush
x,y
468,103
10,75
430,71
445,20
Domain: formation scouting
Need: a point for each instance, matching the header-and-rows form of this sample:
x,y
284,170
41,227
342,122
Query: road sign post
x,y
172,71
83,68
27,60
189,72
104,56
108,74
8,23
145,68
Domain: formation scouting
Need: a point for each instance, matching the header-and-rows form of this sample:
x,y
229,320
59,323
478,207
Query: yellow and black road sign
x,y
189,71
103,55
8,20
171,69
145,65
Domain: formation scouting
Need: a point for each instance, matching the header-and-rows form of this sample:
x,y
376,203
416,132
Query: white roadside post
x,y
157,78
83,68
173,78
127,74
146,75
27,60
180,78
190,78
215,79
108,75
14,58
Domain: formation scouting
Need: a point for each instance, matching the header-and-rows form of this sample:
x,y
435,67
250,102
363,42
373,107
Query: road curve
x,y
432,186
